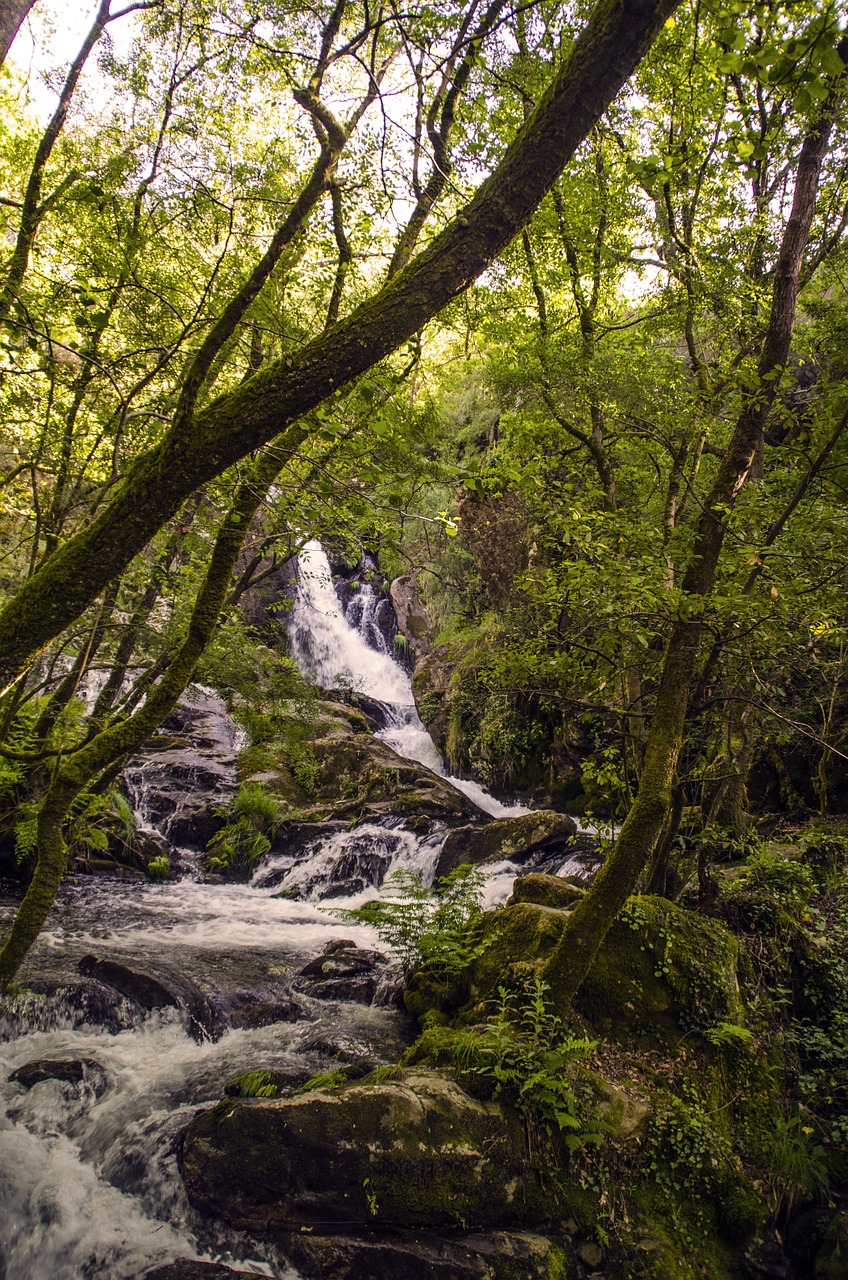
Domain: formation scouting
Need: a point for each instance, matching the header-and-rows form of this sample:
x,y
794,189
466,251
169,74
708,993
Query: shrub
x,y
159,868
429,928
252,817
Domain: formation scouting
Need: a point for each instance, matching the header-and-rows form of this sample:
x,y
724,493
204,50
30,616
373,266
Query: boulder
x,y
353,776
485,1256
659,968
343,971
148,992
430,688
545,891
412,619
68,1070
415,1152
506,838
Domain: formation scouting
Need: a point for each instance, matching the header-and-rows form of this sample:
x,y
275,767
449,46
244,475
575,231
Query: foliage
x,y
252,818
525,1052
159,868
254,1084
799,1169
433,929
324,1080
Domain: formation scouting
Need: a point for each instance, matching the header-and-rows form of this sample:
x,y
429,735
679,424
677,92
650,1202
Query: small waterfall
x,y
337,651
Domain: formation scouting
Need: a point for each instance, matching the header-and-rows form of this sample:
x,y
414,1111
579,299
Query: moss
x,y
661,967
545,891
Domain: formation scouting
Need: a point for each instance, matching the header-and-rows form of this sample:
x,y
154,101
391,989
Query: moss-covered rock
x,y
663,966
659,966
343,773
545,891
403,1153
513,838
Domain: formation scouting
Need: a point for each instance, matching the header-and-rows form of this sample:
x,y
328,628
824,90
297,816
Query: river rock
x,y
546,891
343,971
404,1153
185,772
189,1269
148,992
490,1256
512,838
354,776
68,1070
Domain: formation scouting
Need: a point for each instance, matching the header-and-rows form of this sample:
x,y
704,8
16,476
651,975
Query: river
x,y
89,1186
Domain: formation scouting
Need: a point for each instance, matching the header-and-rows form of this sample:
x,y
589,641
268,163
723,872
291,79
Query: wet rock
x,y
148,845
412,619
430,688
343,971
148,992
261,1009
495,1256
412,1153
185,772
546,891
68,1070
512,838
189,1269
357,776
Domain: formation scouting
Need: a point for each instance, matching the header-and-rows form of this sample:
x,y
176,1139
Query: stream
x,y
204,980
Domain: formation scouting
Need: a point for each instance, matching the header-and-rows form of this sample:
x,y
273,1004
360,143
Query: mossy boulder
x,y
342,773
403,1153
506,838
545,891
659,966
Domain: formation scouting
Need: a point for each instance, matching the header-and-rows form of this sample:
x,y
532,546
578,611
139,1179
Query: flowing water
x,y
89,1186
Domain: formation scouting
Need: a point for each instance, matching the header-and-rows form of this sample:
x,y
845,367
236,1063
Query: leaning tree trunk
x,y
591,919
613,42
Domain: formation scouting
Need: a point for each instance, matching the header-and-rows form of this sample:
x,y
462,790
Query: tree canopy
x,y
239,298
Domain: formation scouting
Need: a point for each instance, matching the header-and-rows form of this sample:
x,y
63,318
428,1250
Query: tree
x,y
202,442
69,566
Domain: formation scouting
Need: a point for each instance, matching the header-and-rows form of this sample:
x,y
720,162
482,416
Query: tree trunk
x,y
83,767
12,14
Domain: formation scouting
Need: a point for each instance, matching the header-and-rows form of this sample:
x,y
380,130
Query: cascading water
x,y
351,652
89,1186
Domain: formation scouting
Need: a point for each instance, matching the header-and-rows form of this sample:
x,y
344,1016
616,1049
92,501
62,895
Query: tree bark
x,y
12,15
611,46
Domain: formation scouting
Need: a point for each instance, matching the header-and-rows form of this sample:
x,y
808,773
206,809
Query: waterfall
x,y
350,652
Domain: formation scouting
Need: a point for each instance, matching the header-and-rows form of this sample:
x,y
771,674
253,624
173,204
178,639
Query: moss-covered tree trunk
x,y
83,767
616,37
590,920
